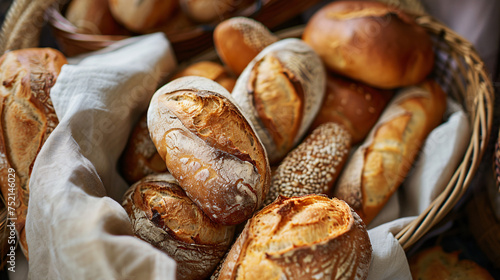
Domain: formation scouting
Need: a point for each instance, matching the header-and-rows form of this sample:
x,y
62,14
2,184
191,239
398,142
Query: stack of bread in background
x,y
279,156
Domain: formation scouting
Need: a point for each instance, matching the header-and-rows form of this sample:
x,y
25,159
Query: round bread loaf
x,y
371,42
308,237
353,104
140,16
281,91
210,148
211,70
208,10
314,165
161,214
93,17
238,40
28,118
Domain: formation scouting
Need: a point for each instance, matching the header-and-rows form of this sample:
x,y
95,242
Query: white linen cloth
x,y
75,227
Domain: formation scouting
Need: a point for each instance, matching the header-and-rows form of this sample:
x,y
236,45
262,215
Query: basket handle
x,y
23,23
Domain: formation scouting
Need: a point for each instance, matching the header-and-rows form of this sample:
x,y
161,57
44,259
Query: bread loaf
x,y
314,165
381,163
238,40
309,237
93,17
210,70
140,16
163,215
281,91
210,148
209,10
28,118
371,42
353,104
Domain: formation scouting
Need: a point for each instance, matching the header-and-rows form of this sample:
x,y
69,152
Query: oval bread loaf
x,y
381,163
161,214
281,91
210,148
308,237
140,16
371,42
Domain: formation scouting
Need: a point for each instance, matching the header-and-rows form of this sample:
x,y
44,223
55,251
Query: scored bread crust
x,y
163,215
27,119
308,237
210,148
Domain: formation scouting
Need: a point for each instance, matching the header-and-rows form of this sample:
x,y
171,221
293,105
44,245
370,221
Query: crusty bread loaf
x,y
314,165
238,40
140,16
371,42
281,91
210,148
211,70
28,118
209,10
140,157
163,215
93,17
435,264
308,237
381,163
353,104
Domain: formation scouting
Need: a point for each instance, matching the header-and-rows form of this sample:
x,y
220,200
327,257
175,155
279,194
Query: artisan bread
x,y
435,264
93,17
281,91
210,10
352,104
28,118
371,42
161,214
238,40
314,165
308,237
211,70
210,148
140,16
381,163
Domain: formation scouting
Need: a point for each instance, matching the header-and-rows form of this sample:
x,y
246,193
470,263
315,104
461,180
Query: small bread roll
x,y
28,118
436,264
140,157
281,91
211,70
93,17
371,42
379,166
353,104
142,15
308,237
314,165
238,40
210,148
208,10
161,214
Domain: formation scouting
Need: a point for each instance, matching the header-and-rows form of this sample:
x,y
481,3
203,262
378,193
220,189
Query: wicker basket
x,y
458,69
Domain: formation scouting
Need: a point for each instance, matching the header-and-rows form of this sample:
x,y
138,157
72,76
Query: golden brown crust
x,y
140,157
210,148
314,165
163,215
434,263
27,119
371,42
380,165
211,70
353,104
93,17
208,10
308,237
238,40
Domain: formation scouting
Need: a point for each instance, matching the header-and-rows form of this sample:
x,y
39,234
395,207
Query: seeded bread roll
x,y
27,117
281,91
210,148
140,16
371,42
314,165
308,237
353,104
163,215
238,40
381,163
210,70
